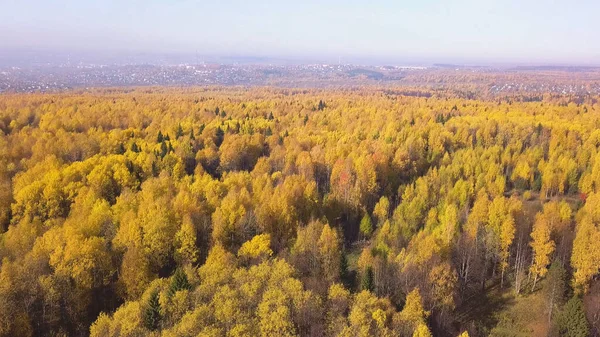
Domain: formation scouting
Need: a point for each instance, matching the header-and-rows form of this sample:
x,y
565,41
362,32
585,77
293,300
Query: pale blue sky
x,y
528,31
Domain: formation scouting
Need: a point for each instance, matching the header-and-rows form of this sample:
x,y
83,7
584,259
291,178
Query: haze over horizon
x,y
424,32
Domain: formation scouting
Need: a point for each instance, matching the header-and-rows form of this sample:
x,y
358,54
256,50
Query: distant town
x,y
483,80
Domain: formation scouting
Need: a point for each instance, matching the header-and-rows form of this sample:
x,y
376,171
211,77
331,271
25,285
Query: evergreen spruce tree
x,y
367,279
163,149
539,129
554,290
120,148
179,132
572,321
152,313
155,169
219,136
344,274
179,281
159,138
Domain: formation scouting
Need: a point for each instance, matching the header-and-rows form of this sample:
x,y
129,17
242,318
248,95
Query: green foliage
x,y
152,314
219,136
366,226
164,149
179,281
572,321
120,149
367,282
345,276
555,288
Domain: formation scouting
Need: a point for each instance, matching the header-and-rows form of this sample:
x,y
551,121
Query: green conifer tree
x,y
152,313
367,279
572,321
163,149
179,281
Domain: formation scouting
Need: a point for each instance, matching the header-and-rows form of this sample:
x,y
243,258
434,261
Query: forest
x,y
232,211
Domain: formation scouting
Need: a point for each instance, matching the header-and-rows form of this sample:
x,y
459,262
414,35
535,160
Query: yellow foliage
x,y
422,331
258,247
542,246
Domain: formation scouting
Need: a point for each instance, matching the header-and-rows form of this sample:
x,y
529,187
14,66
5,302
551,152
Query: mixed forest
x,y
298,212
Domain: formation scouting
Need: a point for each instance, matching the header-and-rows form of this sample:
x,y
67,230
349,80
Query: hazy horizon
x,y
428,32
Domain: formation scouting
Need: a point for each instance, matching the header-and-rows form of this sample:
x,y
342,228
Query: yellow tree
x,y
229,218
330,253
413,314
471,240
368,316
257,249
422,331
217,270
507,234
449,222
338,303
542,247
186,250
275,316
443,283
135,274
381,210
501,229
585,258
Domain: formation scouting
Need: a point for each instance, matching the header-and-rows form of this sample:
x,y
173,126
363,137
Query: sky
x,y
415,31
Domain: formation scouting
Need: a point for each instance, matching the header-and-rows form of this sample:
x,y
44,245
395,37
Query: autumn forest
x,y
230,211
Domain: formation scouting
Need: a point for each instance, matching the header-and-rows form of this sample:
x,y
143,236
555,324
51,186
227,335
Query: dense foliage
x,y
289,212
